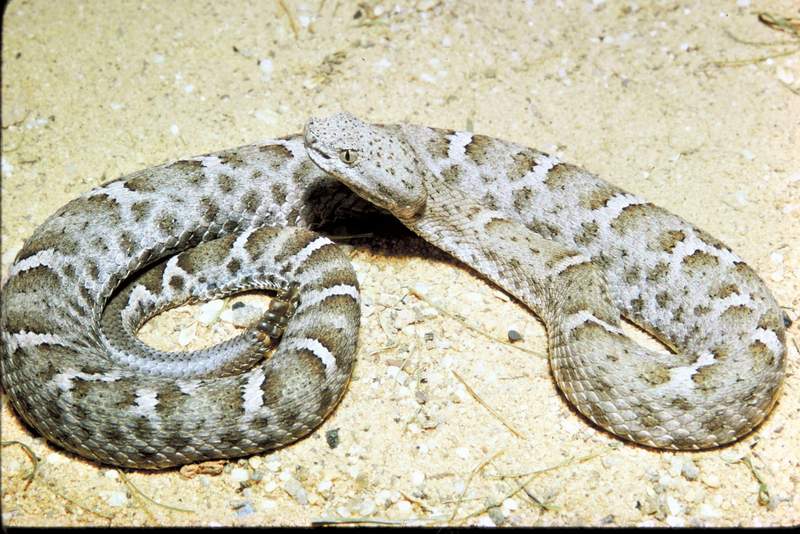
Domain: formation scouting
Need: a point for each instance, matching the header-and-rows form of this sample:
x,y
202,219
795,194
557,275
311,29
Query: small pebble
x,y
246,315
274,465
485,521
689,470
675,465
209,312
496,516
404,506
367,508
510,505
417,478
675,521
239,475
296,491
186,335
113,474
675,507
117,498
711,480
731,457
707,511
255,462
56,459
513,336
332,438
244,509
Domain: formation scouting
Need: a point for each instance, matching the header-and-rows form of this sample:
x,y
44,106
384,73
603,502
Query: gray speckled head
x,y
375,163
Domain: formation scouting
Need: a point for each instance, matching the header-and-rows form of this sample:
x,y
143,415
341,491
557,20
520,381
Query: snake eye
x,y
348,156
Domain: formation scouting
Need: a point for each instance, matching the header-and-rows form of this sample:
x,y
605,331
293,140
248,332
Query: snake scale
x,y
579,252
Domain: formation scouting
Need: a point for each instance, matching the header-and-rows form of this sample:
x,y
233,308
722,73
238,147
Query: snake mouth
x,y
312,146
316,152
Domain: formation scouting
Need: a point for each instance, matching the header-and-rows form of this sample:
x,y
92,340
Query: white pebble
x,y
404,507
510,505
274,465
731,456
392,370
158,59
748,155
265,65
209,312
675,466
689,470
246,315
485,521
382,64
296,491
113,474
239,475
255,462
462,452
116,498
401,377
422,289
776,258
711,480
417,478
569,426
174,130
675,507
186,335
324,486
707,511
383,497
56,459
367,508
675,521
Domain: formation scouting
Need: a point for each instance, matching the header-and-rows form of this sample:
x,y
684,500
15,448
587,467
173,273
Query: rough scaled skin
x,y
579,251
81,378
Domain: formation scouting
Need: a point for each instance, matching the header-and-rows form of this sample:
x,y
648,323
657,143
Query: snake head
x,y
376,162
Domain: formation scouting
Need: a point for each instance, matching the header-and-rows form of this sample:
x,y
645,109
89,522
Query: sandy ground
x,y
93,90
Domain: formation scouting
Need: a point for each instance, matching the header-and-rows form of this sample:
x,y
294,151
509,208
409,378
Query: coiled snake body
x,y
575,249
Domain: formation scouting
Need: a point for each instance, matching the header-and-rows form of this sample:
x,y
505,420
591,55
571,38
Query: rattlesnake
x,y
573,248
